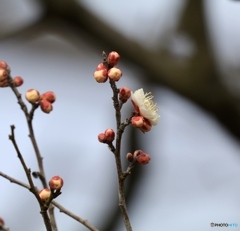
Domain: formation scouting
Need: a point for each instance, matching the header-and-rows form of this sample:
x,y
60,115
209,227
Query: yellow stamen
x,y
148,102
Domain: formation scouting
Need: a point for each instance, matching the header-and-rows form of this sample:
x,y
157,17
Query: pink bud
x,y
49,96
110,135
124,94
3,74
44,194
141,157
56,183
46,106
113,58
114,74
102,138
5,66
147,126
18,81
101,76
1,222
137,121
32,96
129,157
100,67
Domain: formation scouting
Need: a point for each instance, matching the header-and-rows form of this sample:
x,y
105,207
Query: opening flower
x,y
144,106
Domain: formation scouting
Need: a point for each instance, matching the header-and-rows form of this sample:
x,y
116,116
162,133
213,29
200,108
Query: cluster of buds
x,y
107,137
108,69
4,74
45,100
139,157
55,185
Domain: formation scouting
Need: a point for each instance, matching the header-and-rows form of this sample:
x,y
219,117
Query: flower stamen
x,y
148,102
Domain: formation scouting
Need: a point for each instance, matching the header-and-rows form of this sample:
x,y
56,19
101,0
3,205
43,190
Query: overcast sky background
x,y
193,178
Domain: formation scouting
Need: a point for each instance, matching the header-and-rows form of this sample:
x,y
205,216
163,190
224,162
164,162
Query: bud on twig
x,y
129,157
110,135
113,58
124,94
44,194
114,74
56,183
49,96
18,81
46,106
102,138
32,96
101,75
141,157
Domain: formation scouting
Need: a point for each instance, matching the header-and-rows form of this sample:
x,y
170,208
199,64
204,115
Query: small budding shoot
x,y
49,96
114,74
113,58
141,157
44,194
101,76
46,106
110,135
129,157
56,183
18,81
124,94
107,137
32,96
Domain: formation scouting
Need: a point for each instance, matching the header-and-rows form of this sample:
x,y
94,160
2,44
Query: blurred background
x,y
185,52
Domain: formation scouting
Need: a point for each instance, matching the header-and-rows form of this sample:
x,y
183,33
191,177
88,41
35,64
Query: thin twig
x,y
59,206
29,177
120,129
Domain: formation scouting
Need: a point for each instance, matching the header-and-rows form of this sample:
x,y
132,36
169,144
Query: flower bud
x,y
129,157
141,157
5,66
44,194
113,58
100,67
102,138
146,127
124,94
142,123
137,121
114,74
18,81
32,96
46,106
3,74
56,183
101,76
110,135
1,222
49,96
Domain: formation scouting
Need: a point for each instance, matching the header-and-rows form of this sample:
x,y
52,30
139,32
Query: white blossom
x,y
145,105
